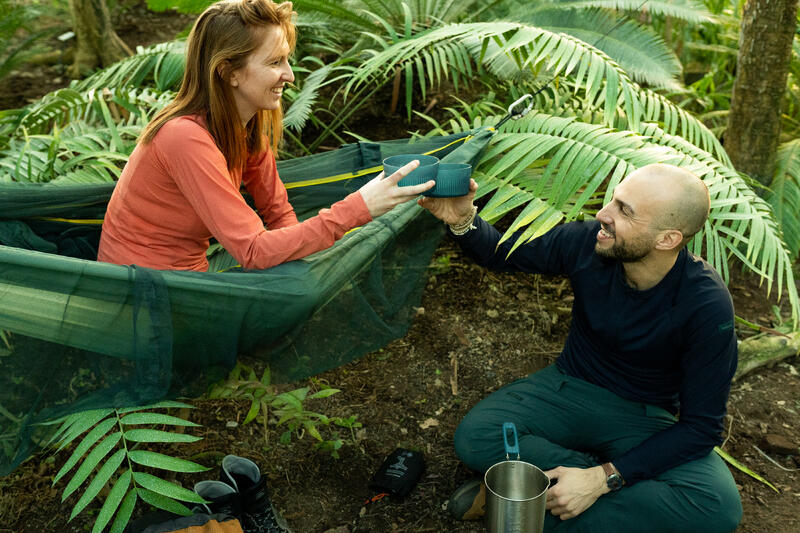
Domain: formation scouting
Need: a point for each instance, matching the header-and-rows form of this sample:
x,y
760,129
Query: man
x,y
625,422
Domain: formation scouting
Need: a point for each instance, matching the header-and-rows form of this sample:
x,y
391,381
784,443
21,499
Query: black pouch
x,y
399,473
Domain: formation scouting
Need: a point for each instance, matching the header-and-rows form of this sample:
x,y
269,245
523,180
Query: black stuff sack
x,y
399,473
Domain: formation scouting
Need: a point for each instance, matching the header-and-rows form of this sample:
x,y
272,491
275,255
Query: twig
x,y
730,426
454,377
431,104
773,461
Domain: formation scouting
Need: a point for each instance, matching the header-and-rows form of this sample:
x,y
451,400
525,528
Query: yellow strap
x,y
72,220
371,170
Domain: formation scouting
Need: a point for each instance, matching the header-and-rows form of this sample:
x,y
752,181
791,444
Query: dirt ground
x,y
474,332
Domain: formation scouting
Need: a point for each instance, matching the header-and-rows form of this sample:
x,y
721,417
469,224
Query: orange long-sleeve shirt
x,y
176,192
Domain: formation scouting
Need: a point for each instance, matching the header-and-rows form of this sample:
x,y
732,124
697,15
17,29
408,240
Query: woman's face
x,y
259,83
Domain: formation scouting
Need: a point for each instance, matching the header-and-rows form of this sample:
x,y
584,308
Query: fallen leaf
x,y
429,423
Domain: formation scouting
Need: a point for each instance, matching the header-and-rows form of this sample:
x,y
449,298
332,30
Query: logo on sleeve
x,y
725,326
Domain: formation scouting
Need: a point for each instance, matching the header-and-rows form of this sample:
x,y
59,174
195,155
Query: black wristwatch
x,y
614,481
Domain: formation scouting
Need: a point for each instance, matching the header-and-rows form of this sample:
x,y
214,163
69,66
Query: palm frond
x,y
784,194
57,109
529,47
636,48
558,168
79,153
162,63
687,10
346,16
677,121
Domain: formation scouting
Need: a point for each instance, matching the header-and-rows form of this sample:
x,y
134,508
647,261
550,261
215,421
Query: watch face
x,y
614,481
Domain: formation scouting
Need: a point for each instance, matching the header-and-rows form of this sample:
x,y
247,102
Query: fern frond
x,y
302,102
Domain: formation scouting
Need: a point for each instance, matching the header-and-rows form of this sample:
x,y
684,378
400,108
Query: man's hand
x,y
451,210
577,489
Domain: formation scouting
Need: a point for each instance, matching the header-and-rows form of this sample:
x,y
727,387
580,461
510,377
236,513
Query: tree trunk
x,y
98,45
765,45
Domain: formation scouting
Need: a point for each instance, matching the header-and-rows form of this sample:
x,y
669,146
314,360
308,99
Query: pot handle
x,y
510,429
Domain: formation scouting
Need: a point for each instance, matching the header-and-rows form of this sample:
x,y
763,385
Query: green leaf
x,y
89,464
743,468
164,462
125,512
112,502
163,502
78,423
99,481
156,435
312,429
156,418
324,393
266,377
165,488
255,407
88,441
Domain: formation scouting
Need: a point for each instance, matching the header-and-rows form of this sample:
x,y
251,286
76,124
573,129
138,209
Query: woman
x,y
181,184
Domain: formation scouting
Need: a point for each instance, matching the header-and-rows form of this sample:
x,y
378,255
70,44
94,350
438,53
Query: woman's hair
x,y
219,43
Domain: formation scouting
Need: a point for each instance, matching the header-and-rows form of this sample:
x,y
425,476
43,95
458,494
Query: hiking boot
x,y
468,501
222,498
258,513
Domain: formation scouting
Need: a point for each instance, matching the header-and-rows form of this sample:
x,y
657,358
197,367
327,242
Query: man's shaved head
x,y
681,199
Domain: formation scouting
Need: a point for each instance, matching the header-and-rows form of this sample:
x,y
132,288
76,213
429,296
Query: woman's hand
x,y
451,210
382,194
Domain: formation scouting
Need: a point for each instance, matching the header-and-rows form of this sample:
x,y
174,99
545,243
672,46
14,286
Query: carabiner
x,y
515,114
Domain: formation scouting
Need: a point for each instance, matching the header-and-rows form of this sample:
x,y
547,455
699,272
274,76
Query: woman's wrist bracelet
x,y
460,228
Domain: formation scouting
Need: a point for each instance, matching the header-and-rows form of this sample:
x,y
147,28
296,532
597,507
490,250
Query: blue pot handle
x,y
510,429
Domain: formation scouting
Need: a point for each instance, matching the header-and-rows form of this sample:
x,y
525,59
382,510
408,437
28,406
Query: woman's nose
x,y
288,75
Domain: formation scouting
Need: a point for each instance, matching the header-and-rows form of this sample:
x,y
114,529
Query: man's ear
x,y
669,239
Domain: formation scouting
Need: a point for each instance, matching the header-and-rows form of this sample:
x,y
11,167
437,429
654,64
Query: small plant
x,y
287,408
119,432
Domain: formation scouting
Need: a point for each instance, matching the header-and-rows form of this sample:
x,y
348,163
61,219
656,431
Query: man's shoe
x,y
222,498
258,516
468,502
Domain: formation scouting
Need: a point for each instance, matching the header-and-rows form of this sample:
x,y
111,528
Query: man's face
x,y
626,232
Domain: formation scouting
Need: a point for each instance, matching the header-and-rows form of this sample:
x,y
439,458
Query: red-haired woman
x,y
181,184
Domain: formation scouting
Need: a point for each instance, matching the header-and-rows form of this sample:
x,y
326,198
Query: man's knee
x,y
470,443
726,517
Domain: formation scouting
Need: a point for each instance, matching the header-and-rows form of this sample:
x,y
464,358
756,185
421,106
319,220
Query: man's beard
x,y
626,252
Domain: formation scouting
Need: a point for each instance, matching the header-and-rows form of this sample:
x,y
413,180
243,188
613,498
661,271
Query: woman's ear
x,y
224,71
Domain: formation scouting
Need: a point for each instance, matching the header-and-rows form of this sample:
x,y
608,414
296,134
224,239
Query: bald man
x,y
627,418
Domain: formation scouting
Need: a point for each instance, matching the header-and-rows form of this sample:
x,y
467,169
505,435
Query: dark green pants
x,y
564,421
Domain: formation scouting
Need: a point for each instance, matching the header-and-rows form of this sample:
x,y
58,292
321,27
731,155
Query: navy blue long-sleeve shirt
x,y
672,345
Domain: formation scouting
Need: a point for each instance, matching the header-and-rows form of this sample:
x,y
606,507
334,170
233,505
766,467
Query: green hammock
x,y
76,334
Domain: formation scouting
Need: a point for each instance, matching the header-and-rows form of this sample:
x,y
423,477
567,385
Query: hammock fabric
x,y
76,334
